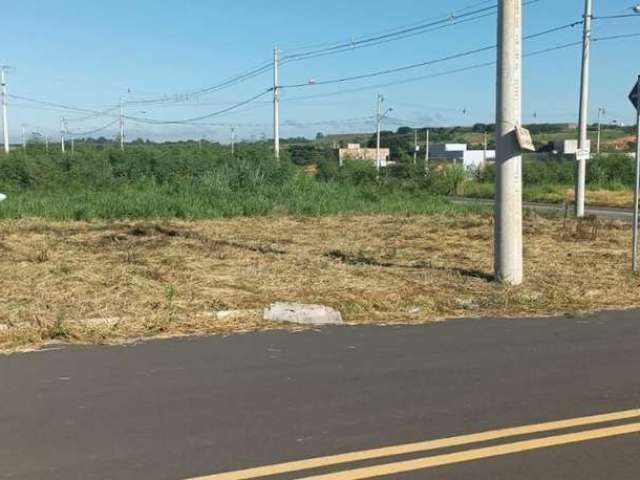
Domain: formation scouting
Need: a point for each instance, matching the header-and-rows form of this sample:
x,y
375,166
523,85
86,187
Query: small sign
x,y
524,139
583,154
634,96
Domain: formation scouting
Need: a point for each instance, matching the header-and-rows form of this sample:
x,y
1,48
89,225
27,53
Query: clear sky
x,y
91,53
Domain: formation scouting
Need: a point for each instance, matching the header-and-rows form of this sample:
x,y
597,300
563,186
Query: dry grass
x,y
605,198
96,282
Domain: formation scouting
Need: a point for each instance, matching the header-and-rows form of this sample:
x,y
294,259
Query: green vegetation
x,y
550,179
613,138
182,181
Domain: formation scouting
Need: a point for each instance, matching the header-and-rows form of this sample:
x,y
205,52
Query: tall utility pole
x,y
121,124
5,122
378,128
233,141
583,149
484,145
426,153
24,139
62,127
601,111
415,146
508,204
46,144
276,103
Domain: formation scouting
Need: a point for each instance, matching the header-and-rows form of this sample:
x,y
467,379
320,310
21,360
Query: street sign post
x,y
583,154
634,96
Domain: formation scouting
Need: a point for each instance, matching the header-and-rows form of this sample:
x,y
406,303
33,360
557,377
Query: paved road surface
x,y
608,212
196,407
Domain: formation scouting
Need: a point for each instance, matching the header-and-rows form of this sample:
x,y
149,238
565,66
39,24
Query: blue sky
x,y
90,53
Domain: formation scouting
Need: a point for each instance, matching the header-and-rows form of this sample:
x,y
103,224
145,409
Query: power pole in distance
x,y
5,122
276,103
233,141
121,124
378,128
24,139
601,111
583,150
508,204
62,135
415,146
426,153
484,145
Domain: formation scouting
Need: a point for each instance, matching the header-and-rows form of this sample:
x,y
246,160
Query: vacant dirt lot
x,y
98,282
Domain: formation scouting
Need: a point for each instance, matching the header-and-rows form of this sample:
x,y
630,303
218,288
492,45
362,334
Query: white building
x,y
568,147
471,159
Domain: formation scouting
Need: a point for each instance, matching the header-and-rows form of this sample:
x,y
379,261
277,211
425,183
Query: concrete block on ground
x,y
302,314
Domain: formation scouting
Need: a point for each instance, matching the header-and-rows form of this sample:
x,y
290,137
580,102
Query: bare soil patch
x,y
92,282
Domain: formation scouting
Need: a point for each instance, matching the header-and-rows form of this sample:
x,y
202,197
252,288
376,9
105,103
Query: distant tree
x,y
319,136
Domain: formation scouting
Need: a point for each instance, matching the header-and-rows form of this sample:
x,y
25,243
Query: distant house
x,y
471,159
568,147
354,151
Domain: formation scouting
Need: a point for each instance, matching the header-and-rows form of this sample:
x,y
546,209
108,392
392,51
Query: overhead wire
x,y
425,63
419,22
91,132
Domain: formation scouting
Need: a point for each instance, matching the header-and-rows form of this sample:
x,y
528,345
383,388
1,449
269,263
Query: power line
x,y
193,120
426,63
375,38
419,22
435,75
201,117
96,130
611,17
352,47
177,98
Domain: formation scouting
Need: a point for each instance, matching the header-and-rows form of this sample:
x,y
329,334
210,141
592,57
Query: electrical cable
x,y
91,132
426,63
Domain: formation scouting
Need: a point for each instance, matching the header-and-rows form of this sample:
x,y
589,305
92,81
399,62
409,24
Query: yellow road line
x,y
295,466
477,454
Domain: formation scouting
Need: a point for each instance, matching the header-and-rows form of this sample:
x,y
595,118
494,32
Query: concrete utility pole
x,y
601,111
46,144
484,144
24,139
5,122
416,148
121,124
276,103
378,129
583,149
426,153
62,127
233,142
508,204
637,189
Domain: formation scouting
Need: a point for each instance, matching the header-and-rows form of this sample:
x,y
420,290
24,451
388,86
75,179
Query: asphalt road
x,y
608,212
184,408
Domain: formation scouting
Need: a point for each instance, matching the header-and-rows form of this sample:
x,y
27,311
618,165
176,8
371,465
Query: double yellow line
x,y
449,458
